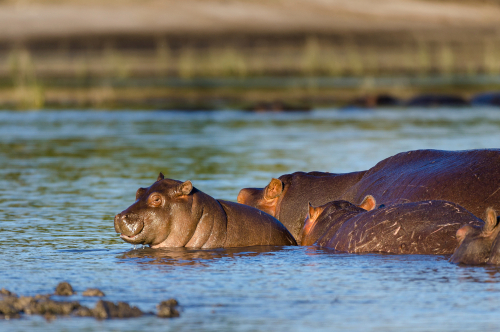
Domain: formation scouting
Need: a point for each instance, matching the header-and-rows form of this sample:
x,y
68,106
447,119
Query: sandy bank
x,y
28,19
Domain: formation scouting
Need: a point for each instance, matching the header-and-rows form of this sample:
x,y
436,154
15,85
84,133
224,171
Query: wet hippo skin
x,y
427,227
287,198
470,178
172,213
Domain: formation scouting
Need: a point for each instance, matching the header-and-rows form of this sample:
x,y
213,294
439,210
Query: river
x,y
65,174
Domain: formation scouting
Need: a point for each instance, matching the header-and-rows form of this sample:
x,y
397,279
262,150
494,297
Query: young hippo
x,y
171,213
427,227
479,245
470,178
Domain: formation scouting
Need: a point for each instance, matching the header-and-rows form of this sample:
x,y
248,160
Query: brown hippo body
x,y
470,178
426,227
171,213
286,198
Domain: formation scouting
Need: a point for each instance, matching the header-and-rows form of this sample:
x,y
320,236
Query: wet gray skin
x,y
478,245
172,213
411,176
427,227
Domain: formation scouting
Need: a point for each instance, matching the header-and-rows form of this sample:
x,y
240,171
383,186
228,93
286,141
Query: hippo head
x,y
320,219
265,199
157,213
475,243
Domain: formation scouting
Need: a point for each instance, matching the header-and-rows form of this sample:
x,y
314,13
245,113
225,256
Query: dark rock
x,y
51,307
167,312
166,309
23,302
12,306
277,106
372,101
10,300
42,297
7,309
107,309
4,291
486,99
83,312
93,292
7,317
169,302
437,101
64,289
20,303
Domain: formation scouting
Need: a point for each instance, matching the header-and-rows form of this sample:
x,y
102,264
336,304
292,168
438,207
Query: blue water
x,y
65,174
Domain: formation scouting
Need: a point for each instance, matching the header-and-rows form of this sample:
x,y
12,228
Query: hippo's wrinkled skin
x,y
171,213
427,227
479,245
470,178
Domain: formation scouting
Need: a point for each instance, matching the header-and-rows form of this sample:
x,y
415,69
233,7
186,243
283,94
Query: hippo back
x,y
470,178
427,227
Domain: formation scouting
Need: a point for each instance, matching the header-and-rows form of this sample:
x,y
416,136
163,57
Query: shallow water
x,y
65,174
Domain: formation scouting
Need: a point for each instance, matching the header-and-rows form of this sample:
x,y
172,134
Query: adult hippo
x,y
172,213
427,227
479,244
470,178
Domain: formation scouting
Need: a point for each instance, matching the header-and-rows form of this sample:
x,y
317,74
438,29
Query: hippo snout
x,y
128,226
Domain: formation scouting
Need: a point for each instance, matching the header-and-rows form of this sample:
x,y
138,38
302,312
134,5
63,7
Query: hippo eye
x,y
154,200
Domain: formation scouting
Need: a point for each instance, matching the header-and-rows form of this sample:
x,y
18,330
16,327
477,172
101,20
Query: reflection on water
x,y
184,256
65,174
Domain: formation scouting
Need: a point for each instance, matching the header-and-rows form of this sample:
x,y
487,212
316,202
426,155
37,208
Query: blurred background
x,y
245,54
67,170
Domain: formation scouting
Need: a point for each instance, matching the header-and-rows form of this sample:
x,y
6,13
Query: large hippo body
x,y
470,178
427,227
171,213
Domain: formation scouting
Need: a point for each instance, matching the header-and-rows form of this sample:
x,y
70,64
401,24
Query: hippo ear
x,y
185,188
490,221
368,203
314,212
160,177
310,211
274,189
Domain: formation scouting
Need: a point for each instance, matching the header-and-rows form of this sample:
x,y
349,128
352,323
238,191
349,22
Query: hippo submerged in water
x,y
469,178
479,245
171,213
427,227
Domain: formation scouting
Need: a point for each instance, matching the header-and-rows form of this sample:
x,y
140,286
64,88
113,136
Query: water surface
x,y
65,174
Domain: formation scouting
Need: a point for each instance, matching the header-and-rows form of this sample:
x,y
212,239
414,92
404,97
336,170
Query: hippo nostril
x,y
130,228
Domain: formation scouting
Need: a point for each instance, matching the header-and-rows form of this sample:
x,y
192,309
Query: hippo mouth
x,y
131,233
131,239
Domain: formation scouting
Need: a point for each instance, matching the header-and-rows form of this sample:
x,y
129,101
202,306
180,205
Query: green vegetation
x,y
227,74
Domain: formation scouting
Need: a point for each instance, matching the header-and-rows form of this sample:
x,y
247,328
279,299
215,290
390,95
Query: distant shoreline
x,y
25,20
75,53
